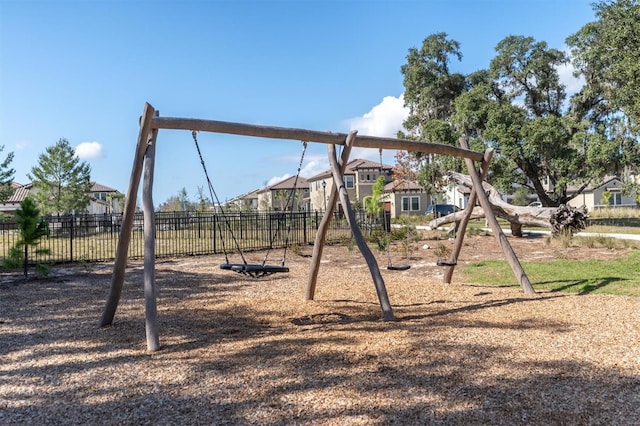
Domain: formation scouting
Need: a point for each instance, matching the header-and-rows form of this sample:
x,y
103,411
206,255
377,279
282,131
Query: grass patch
x,y
613,276
608,229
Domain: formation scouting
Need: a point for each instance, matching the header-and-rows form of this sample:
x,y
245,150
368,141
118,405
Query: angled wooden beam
x,y
516,267
462,226
338,181
120,264
323,227
310,136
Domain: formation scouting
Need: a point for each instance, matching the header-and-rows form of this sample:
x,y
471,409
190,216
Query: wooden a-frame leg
x,y
323,227
338,181
120,264
462,226
516,267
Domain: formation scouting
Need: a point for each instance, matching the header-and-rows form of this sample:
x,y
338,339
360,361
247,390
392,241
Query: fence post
x,y
304,227
71,237
215,230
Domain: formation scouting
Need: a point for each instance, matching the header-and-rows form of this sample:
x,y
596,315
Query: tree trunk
x,y
516,215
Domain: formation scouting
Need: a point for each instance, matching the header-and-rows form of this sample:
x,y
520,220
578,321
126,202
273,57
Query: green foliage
x,y
61,181
606,198
407,235
32,228
607,53
204,203
518,107
178,203
6,176
372,204
520,197
380,238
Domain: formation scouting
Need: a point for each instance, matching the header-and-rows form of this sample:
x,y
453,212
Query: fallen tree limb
x,y
518,216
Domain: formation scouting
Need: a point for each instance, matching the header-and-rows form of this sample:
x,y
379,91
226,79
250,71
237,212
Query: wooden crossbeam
x,y
310,136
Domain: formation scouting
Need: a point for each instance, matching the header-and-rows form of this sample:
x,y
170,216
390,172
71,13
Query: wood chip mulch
x,y
237,350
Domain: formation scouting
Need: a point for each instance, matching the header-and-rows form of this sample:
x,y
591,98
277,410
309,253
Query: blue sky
x,y
82,70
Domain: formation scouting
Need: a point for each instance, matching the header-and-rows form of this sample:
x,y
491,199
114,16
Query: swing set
x,y
254,270
143,168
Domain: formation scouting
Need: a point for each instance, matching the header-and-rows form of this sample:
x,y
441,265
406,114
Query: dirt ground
x,y
237,350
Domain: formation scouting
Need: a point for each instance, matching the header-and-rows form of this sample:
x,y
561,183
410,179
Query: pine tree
x,y
32,229
6,176
61,181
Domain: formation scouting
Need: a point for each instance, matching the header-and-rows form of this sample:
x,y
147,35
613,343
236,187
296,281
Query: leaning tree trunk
x,y
553,218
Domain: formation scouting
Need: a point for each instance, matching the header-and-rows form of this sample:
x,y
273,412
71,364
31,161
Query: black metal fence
x,y
93,238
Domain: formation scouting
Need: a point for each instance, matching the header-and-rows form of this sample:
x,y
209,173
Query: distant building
x,y
102,199
288,194
248,201
592,197
359,178
405,197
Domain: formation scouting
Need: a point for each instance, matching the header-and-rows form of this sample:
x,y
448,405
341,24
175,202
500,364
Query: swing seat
x,y
254,270
445,263
398,267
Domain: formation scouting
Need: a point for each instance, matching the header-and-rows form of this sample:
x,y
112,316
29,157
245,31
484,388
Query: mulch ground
x,y
237,350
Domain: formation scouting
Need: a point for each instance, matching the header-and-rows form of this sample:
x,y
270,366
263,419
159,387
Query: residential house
x,y
105,200
405,197
458,195
592,197
288,194
248,201
19,194
359,178
102,199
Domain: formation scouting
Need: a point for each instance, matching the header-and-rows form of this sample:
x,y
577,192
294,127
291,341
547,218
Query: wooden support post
x,y
150,304
462,226
120,264
318,245
338,181
516,267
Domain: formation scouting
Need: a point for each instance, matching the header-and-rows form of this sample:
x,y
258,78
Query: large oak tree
x,y
518,106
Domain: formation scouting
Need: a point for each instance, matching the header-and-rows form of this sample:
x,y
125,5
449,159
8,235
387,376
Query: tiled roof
x,y
352,167
21,192
97,187
594,185
402,185
287,184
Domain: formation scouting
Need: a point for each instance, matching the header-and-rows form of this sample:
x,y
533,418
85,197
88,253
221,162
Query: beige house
x,y
248,201
593,198
278,197
103,199
405,197
359,178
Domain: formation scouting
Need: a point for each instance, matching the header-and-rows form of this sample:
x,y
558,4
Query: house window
x,y
411,204
616,199
348,182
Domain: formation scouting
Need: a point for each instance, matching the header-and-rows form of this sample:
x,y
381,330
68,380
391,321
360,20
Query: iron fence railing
x,y
93,238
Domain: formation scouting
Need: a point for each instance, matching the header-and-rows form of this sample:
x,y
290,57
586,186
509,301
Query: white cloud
x,y
383,120
22,145
314,167
89,151
277,179
572,84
